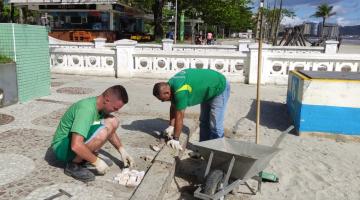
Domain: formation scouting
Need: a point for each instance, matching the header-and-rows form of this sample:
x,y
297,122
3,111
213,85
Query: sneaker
x,y
78,172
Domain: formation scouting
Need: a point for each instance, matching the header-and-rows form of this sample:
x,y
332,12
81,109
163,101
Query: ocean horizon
x,y
351,41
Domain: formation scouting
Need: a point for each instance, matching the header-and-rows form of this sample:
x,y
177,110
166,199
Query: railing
x,y
294,49
164,65
205,48
148,47
279,65
83,61
127,58
55,43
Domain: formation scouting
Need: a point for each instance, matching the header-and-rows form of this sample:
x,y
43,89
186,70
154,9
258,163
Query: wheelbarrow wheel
x,y
213,181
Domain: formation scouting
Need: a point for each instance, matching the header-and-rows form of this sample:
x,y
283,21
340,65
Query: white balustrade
x,y
278,66
127,58
164,64
83,61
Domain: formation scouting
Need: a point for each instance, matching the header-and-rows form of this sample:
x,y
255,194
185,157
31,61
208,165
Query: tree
x,y
5,12
234,15
324,11
151,6
273,17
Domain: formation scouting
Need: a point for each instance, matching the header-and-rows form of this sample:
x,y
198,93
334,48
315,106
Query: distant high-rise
x,y
310,29
329,31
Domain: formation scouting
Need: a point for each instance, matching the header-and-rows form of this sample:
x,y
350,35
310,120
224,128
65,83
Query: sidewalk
x,y
28,171
308,168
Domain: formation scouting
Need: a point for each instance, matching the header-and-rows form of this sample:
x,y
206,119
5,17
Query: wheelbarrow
x,y
240,160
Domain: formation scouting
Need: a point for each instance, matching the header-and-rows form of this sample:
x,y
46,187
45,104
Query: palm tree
x,y
324,11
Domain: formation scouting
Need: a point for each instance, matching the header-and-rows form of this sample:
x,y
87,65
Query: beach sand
x,y
349,48
308,167
346,47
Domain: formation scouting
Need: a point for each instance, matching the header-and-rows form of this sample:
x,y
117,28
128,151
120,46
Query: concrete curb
x,y
159,176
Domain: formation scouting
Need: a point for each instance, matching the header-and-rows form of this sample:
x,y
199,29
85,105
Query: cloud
x,y
288,21
339,9
309,2
291,3
346,22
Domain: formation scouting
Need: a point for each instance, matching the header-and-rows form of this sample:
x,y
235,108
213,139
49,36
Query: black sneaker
x,y
78,172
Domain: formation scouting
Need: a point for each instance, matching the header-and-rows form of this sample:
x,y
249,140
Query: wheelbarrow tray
x,y
250,158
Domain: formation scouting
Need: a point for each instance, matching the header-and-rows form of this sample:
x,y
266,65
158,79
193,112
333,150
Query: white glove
x,y
126,158
175,144
100,166
168,132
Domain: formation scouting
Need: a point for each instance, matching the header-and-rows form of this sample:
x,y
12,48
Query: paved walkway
x,y
28,171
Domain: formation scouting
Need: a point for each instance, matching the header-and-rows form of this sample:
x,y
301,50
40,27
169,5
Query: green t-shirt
x,y
194,86
77,119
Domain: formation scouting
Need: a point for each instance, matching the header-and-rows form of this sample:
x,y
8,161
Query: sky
x,y
347,11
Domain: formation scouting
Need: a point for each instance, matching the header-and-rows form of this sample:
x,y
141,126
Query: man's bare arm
x,y
179,117
115,141
81,150
172,115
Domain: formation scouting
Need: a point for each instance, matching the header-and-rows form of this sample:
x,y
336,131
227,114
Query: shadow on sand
x,y
273,115
153,127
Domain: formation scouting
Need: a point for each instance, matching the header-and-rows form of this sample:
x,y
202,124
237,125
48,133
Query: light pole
x,y
175,34
257,139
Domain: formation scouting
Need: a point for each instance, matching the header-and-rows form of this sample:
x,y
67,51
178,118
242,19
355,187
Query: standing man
x,y
84,129
190,87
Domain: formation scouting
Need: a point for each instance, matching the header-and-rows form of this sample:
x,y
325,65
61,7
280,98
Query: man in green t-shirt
x,y
84,129
191,87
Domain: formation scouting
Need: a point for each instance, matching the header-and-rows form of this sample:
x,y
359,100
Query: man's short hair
x,y
119,92
157,88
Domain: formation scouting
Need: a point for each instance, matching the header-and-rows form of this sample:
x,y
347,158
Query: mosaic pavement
x,y
31,171
75,90
6,119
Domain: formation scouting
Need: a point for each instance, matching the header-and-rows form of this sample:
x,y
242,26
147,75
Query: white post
x,y
124,57
244,45
253,64
331,46
249,33
167,44
99,42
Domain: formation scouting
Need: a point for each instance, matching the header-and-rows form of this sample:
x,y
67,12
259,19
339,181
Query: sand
x,y
349,48
346,47
308,167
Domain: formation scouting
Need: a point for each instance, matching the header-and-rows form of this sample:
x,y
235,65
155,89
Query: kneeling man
x,y
84,129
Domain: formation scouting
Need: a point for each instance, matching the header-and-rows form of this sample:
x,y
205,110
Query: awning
x,y
47,2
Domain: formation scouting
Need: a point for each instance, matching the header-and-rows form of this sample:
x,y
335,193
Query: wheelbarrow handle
x,y
281,137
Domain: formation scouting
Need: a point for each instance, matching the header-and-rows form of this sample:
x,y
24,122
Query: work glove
x,y
126,158
175,144
168,132
100,166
